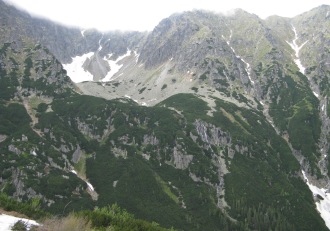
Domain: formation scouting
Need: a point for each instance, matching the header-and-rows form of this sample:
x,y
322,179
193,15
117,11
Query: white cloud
x,y
146,14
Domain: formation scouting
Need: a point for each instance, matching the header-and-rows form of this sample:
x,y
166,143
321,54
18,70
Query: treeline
x,y
117,219
261,217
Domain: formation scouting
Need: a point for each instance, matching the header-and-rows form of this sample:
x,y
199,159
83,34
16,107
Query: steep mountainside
x,y
31,78
235,135
65,43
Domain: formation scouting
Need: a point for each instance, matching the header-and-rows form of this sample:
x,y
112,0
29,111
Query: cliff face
x,y
237,114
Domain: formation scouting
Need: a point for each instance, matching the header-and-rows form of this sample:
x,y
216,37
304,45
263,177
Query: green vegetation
x,y
191,105
164,86
30,208
142,90
20,226
296,112
115,218
14,118
99,219
267,160
111,217
166,189
172,163
204,76
131,163
195,89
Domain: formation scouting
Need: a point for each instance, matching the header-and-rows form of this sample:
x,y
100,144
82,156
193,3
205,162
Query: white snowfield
x,y
76,71
297,48
323,206
114,66
7,222
90,186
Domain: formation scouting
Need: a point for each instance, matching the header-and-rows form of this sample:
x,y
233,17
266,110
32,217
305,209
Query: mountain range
x,y
208,122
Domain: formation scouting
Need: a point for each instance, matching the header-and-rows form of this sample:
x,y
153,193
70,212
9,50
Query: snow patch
x,y
137,55
7,222
114,184
224,73
248,67
297,48
76,71
317,95
83,33
233,51
147,102
248,70
141,103
128,97
114,66
323,206
100,46
89,185
228,43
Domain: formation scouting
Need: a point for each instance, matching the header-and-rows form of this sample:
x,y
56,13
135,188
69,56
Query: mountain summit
x,y
208,122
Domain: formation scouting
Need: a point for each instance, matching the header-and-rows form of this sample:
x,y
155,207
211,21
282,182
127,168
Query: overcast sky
x,y
144,15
